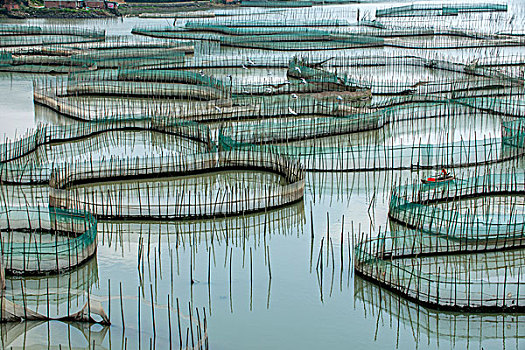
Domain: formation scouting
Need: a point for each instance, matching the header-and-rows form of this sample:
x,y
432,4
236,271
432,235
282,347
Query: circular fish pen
x,y
190,172
46,240
13,35
155,201
30,159
444,230
351,143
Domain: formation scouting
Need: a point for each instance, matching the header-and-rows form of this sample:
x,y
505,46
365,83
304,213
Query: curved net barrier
x,y
109,94
285,40
68,186
43,240
258,104
422,74
237,30
37,60
164,55
267,23
140,83
30,159
20,30
143,89
12,35
284,221
243,107
69,285
266,101
425,323
372,71
438,10
149,75
287,37
447,227
414,208
313,140
77,57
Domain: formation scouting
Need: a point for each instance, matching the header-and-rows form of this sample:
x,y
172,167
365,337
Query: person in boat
x,y
442,176
444,173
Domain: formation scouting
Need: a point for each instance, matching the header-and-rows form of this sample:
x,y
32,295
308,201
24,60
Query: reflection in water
x,y
442,328
187,271
53,335
162,282
65,292
56,296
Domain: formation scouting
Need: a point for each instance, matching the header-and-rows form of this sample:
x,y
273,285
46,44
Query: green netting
x,y
269,23
40,69
21,35
307,40
152,75
43,240
68,285
457,83
433,281
320,153
7,41
438,10
415,207
13,29
421,264
17,167
100,55
76,48
17,30
143,83
169,202
61,59
299,68
252,30
293,43
115,58
44,60
6,59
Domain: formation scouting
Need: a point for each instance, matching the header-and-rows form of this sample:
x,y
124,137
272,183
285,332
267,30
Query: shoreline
x,y
144,10
37,12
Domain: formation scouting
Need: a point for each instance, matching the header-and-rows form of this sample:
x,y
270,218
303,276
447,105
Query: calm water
x,y
300,307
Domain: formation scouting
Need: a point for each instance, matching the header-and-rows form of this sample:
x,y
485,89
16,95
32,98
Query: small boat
x,y
438,179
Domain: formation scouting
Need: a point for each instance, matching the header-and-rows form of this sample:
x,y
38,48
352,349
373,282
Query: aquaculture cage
x,y
22,160
236,31
175,203
17,30
116,58
21,35
38,240
443,232
414,207
281,40
313,139
144,82
235,23
438,10
433,281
